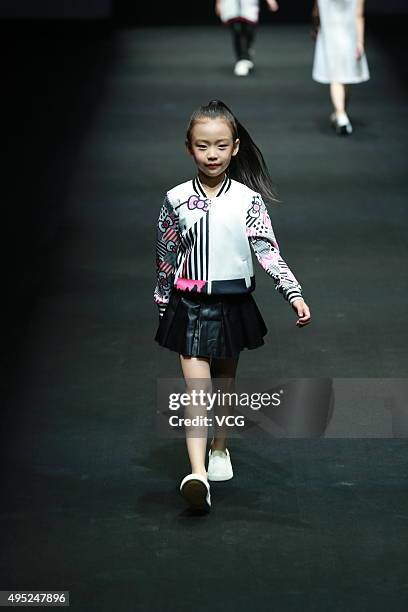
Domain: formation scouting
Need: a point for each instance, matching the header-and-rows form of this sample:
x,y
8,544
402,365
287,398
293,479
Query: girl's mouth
x,y
211,166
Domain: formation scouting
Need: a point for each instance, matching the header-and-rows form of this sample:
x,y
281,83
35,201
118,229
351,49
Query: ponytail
x,y
248,166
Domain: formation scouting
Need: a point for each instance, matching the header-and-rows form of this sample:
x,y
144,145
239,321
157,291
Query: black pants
x,y
243,35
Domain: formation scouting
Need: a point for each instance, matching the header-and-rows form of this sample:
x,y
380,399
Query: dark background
x,y
56,9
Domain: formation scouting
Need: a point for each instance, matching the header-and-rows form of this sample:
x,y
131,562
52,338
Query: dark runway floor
x,y
91,502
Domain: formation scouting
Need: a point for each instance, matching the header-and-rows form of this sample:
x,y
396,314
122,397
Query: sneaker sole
x,y
195,493
343,131
218,479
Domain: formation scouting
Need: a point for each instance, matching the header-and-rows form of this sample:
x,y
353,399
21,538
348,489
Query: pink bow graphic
x,y
196,202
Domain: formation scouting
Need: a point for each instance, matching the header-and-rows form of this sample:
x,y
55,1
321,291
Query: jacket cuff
x,y
292,295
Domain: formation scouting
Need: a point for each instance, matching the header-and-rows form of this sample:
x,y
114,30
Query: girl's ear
x,y
236,147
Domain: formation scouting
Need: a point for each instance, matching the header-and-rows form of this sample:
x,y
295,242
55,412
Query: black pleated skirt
x,y
218,326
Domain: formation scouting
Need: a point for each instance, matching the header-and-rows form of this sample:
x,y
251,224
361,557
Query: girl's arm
x,y
265,246
168,240
218,7
360,29
273,5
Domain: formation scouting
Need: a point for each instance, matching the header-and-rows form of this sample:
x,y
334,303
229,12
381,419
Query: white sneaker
x,y
341,124
196,491
242,67
219,465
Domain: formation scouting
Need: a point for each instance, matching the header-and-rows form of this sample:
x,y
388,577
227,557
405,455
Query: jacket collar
x,y
198,188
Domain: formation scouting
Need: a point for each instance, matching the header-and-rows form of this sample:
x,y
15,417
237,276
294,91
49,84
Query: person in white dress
x,y
242,17
339,56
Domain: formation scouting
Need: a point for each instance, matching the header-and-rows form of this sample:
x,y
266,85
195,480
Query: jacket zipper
x,y
209,248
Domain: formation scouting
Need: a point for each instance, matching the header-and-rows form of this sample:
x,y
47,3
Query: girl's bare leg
x,y
195,368
226,369
338,97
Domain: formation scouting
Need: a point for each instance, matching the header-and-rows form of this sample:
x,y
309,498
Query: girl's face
x,y
212,145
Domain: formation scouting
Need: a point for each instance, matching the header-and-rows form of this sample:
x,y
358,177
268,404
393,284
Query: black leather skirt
x,y
219,326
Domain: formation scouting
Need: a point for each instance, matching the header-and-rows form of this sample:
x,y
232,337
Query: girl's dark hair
x,y
248,166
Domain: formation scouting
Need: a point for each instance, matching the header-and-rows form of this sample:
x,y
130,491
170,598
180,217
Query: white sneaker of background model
x,y
341,123
219,465
242,67
344,122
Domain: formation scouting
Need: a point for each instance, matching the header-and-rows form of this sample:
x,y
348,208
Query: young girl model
x,y
242,17
339,57
204,269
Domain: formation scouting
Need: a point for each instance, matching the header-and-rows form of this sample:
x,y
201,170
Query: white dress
x,y
239,10
335,50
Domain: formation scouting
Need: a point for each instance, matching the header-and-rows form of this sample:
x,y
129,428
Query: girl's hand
x,y
359,51
303,312
218,8
273,5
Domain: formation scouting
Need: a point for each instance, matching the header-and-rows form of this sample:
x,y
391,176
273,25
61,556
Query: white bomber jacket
x,y
203,244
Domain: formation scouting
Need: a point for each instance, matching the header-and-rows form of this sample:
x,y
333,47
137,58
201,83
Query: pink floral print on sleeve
x,y
265,246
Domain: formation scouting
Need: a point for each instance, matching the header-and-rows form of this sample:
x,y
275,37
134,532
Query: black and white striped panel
x,y
194,251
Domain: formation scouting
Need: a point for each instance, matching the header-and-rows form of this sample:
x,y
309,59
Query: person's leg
x,y
248,38
338,97
339,118
224,369
236,30
196,372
